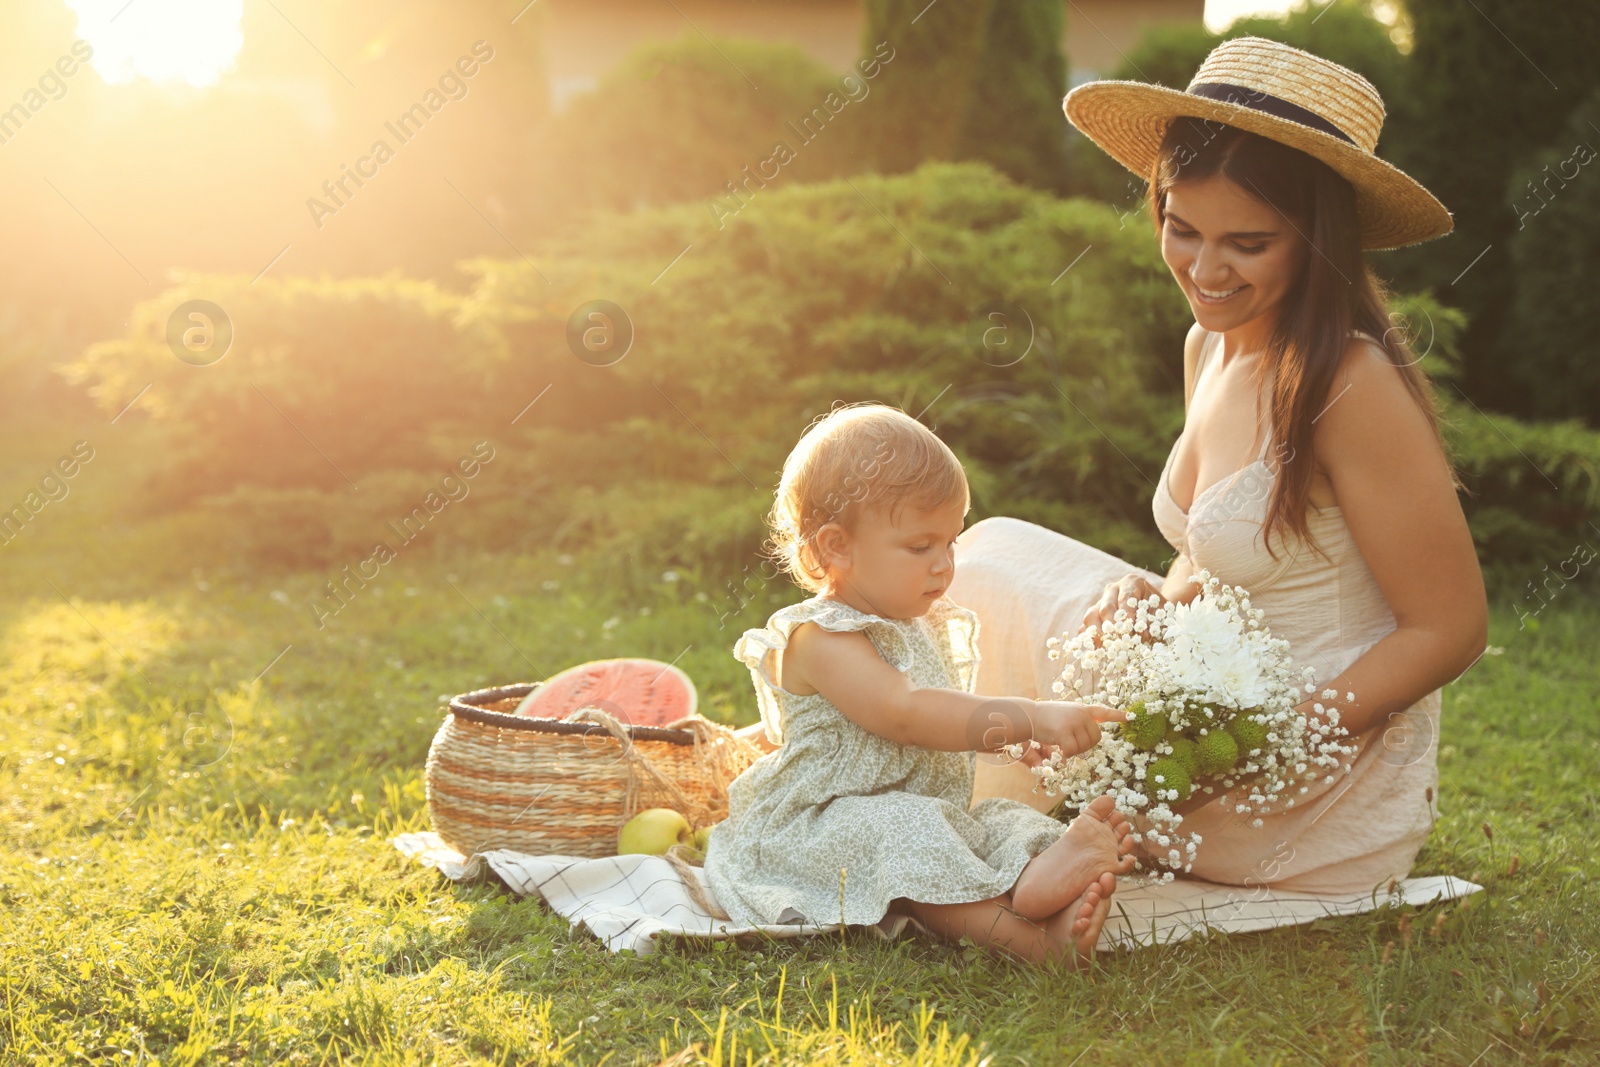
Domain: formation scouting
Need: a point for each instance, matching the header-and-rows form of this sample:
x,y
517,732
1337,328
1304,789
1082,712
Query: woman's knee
x,y
996,527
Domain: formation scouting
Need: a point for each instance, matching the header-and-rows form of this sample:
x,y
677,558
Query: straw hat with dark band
x,y
1282,93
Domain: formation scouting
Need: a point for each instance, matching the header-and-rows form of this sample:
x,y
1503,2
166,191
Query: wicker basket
x,y
566,786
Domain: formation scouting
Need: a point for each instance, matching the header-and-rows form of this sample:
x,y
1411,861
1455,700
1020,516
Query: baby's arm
x,y
846,668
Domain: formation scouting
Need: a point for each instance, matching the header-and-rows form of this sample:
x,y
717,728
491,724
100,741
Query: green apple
x,y
652,832
702,838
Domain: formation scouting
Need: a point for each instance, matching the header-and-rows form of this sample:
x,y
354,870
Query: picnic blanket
x,y
628,902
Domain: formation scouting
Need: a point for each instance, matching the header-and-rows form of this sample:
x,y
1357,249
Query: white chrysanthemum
x,y
1198,640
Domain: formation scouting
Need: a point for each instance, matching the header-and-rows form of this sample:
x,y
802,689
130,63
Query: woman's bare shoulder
x,y
1370,411
1367,371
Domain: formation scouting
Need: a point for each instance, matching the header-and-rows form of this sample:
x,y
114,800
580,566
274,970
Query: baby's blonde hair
x,y
854,458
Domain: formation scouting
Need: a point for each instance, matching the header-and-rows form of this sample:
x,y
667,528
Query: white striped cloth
x,y
630,901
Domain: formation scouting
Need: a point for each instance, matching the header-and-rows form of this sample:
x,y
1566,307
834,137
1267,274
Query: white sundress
x,y
840,821
1348,833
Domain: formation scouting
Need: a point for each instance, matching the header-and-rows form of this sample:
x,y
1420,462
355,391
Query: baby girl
x,y
864,805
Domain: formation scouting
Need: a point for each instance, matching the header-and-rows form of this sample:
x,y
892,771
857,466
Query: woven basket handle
x,y
721,751
639,765
692,883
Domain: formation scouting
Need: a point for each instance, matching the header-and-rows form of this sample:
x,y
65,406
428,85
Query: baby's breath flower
x,y
1196,666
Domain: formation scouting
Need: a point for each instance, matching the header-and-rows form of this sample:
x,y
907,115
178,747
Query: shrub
x,y
1040,337
821,293
1531,486
325,381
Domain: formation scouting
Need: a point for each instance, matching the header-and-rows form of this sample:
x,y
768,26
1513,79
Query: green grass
x,y
195,863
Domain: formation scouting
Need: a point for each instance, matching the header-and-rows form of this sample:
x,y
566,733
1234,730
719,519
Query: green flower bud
x,y
1168,773
1249,731
1218,751
1187,753
1144,729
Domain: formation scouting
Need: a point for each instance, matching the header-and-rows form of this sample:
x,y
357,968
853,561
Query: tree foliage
x,y
679,120
1489,86
1344,31
981,80
1551,344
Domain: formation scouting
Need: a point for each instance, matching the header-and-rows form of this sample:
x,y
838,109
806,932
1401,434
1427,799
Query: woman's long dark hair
x,y
1335,292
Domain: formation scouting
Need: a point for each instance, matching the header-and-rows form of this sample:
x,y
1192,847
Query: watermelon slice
x,y
639,692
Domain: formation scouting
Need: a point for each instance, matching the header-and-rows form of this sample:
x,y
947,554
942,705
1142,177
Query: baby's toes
x,y
1102,808
1089,902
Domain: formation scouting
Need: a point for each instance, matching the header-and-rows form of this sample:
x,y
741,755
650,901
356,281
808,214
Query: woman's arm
x,y
1394,489
757,734
1177,588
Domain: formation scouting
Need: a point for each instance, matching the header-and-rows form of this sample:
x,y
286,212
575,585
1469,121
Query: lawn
x,y
199,787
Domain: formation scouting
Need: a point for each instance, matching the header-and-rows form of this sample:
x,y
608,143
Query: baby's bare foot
x,y
1097,842
1075,931
1092,909
1091,918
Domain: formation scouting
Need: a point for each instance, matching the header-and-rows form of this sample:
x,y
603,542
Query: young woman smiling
x,y
1310,469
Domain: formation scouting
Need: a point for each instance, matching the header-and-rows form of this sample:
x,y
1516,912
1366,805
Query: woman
x,y
1310,469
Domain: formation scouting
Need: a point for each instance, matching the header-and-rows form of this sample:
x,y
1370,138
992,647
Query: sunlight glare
x,y
1220,14
195,41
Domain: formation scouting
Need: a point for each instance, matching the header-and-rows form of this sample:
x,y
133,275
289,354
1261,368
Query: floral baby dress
x,y
840,821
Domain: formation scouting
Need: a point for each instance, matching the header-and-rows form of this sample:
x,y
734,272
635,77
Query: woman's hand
x,y
1116,595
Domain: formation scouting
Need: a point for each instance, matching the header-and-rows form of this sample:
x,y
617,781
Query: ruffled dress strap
x,y
955,635
756,648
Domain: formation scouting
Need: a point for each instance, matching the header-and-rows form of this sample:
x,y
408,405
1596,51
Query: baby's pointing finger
x,y
1104,714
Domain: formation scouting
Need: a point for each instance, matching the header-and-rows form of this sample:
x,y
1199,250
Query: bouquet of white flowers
x,y
1210,698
